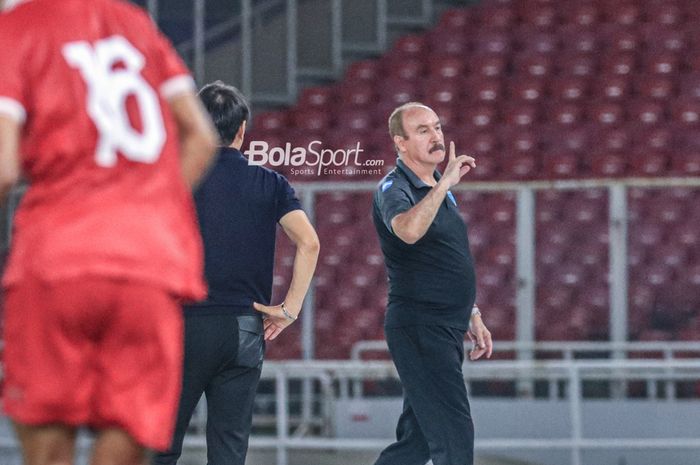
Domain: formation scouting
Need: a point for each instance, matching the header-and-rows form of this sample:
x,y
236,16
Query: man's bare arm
x,y
198,138
9,156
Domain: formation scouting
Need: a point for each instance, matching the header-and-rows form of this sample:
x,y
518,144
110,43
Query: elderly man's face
x,y
424,141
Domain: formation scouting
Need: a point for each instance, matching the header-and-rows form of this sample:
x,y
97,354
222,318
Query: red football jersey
x,y
90,79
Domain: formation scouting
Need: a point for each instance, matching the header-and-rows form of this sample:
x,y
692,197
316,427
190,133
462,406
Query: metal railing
x,y
571,372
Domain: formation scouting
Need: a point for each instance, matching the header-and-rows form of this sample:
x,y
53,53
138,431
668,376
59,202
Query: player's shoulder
x,y
392,180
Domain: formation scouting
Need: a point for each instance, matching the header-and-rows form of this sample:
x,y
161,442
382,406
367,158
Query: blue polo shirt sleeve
x,y
393,198
287,200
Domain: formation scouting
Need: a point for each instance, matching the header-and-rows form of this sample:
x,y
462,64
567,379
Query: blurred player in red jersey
x,y
101,117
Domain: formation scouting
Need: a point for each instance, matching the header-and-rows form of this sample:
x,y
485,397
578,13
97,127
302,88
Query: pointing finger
x,y
452,150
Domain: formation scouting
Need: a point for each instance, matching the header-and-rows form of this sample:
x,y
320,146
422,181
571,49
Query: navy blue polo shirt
x,y
238,208
431,282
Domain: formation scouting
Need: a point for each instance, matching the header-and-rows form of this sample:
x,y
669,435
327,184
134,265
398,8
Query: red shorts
x,y
94,351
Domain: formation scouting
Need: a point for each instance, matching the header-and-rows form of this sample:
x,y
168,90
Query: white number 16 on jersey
x,y
108,89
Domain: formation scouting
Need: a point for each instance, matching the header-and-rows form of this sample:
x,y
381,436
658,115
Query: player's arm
x,y
298,228
9,156
412,224
198,138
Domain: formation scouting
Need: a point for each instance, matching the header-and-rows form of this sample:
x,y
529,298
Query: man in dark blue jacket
x,y
239,207
432,292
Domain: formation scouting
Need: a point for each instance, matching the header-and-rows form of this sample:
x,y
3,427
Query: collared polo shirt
x,y
431,282
238,207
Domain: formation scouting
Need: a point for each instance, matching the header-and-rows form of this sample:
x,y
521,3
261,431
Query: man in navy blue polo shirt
x,y
432,292
239,207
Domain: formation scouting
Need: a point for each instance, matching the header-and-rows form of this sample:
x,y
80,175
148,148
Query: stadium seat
x,y
320,97
661,62
456,19
539,15
530,89
410,46
621,39
270,121
654,86
646,112
608,165
404,68
357,93
605,113
613,87
624,13
363,70
577,64
493,15
576,39
487,64
520,114
585,14
492,42
618,63
534,41
480,116
533,64
444,68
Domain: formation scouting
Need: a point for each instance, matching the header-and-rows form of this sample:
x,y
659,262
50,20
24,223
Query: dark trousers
x,y
223,360
436,422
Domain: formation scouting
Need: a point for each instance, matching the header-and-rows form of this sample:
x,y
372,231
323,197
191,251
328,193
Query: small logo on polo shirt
x,y
452,197
387,185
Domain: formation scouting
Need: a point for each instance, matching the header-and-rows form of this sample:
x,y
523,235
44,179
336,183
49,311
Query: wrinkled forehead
x,y
418,116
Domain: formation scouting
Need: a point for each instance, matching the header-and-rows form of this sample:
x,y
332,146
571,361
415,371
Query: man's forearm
x,y
303,270
412,224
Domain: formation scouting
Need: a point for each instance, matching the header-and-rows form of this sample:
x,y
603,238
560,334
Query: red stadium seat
x,y
495,42
576,39
480,116
492,15
311,120
485,90
568,88
623,13
608,165
270,121
539,15
662,62
405,68
442,91
560,165
686,163
605,113
686,112
320,97
663,13
446,67
621,40
357,93
410,46
448,42
613,87
487,64
654,86
355,120
529,89
520,114
398,92
535,41
618,63
579,64
669,39
533,64
581,14
689,86
364,70
564,113
646,112
520,165
456,19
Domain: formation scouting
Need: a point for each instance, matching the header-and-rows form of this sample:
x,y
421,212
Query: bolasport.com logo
x,y
314,159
